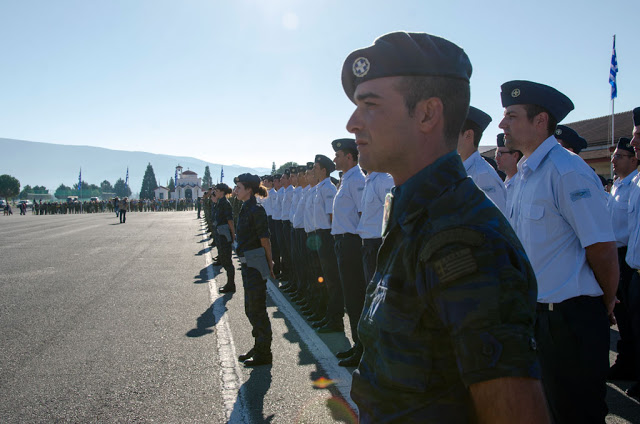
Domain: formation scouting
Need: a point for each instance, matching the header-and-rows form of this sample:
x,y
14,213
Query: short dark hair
x,y
535,110
477,131
352,152
454,94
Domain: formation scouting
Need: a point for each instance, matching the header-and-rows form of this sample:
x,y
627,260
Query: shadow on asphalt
x,y
207,320
202,278
251,396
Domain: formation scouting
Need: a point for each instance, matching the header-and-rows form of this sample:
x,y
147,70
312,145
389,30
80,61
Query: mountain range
x,y
50,165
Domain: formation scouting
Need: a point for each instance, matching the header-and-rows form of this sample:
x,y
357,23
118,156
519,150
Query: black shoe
x,y
216,263
619,372
330,329
227,288
634,392
259,359
346,353
247,355
352,361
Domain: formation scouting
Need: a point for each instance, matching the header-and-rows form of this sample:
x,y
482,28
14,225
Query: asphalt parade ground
x,y
109,322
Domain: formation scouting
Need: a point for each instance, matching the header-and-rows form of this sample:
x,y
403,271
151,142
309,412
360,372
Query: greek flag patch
x,y
585,193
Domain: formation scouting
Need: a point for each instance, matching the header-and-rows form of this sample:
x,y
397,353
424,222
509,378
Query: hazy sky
x,y
250,82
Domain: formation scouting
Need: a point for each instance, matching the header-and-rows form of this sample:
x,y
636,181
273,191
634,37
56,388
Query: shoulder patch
x,y
583,193
454,235
455,265
488,189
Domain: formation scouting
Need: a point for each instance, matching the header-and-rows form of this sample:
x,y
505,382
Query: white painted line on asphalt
x,y
319,350
230,372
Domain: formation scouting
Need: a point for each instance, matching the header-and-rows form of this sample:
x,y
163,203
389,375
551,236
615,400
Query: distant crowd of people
x,y
100,206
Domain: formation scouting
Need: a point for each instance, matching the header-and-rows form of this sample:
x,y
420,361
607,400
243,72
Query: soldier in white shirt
x,y
559,212
482,173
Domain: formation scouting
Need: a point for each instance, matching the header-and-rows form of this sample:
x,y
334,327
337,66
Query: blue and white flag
x,y
221,173
613,71
126,181
80,180
175,180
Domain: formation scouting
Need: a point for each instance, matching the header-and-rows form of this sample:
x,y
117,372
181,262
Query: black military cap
x,y
293,169
344,143
235,181
624,143
571,138
404,54
287,172
500,140
326,163
309,165
301,168
250,179
277,176
532,93
479,117
636,117
269,178
223,188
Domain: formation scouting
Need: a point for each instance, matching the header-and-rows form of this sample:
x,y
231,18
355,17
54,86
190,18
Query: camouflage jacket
x,y
452,302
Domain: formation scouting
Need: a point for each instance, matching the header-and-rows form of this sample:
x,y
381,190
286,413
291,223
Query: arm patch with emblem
x,y
458,263
584,193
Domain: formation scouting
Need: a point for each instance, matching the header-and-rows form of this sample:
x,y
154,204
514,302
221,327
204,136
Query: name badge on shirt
x,y
388,200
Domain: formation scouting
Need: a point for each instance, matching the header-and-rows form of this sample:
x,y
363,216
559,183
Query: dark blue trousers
x,y
348,254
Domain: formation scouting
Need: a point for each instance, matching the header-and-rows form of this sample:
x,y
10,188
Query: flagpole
x,y
613,71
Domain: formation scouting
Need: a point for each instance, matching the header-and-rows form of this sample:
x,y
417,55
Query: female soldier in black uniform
x,y
223,221
254,252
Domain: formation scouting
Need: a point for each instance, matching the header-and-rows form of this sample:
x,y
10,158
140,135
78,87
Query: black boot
x,y
247,355
259,358
230,287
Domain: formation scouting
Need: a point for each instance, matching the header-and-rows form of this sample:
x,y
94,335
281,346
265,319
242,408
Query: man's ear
x,y
430,114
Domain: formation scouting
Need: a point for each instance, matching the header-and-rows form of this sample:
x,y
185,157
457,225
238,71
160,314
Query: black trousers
x,y
275,247
255,307
331,277
285,251
316,290
623,311
123,216
370,249
352,280
224,256
297,259
632,298
573,348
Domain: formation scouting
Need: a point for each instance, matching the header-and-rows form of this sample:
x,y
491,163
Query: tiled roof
x,y
597,131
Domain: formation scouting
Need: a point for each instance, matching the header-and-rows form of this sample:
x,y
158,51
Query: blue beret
x,y
404,54
532,93
570,137
269,178
344,143
310,165
624,143
286,172
249,179
277,176
326,163
479,117
301,168
500,140
636,117
293,169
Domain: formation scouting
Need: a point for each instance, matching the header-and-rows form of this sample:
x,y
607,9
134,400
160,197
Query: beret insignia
x,y
515,92
558,131
628,145
361,67
339,144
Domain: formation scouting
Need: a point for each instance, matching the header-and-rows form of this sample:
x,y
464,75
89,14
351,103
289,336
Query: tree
x,y
25,192
273,169
171,186
40,190
106,187
207,181
285,166
9,186
63,191
121,189
149,184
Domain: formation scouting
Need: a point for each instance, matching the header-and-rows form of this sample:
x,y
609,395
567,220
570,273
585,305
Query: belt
x,y
578,299
242,259
344,235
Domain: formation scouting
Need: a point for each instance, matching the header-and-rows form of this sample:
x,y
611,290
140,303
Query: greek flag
x,y
221,173
80,180
126,181
613,71
175,180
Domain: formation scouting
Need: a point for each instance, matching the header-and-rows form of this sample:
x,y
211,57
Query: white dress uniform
x,y
323,204
287,197
377,185
298,216
276,205
309,222
487,179
295,199
268,202
347,203
558,209
618,204
633,220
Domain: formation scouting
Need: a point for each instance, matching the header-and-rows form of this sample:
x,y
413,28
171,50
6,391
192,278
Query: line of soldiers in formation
x,y
101,206
460,313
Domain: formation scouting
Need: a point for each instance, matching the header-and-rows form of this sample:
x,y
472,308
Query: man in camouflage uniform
x,y
448,321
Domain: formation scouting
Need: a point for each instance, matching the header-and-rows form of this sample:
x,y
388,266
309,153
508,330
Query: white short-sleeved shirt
x,y
559,208
298,216
276,205
309,222
295,198
287,197
633,247
323,204
376,187
508,185
487,179
266,203
618,204
347,204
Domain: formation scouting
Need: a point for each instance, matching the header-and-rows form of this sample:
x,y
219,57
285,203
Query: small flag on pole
x,y
221,173
613,71
126,181
175,180
80,180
